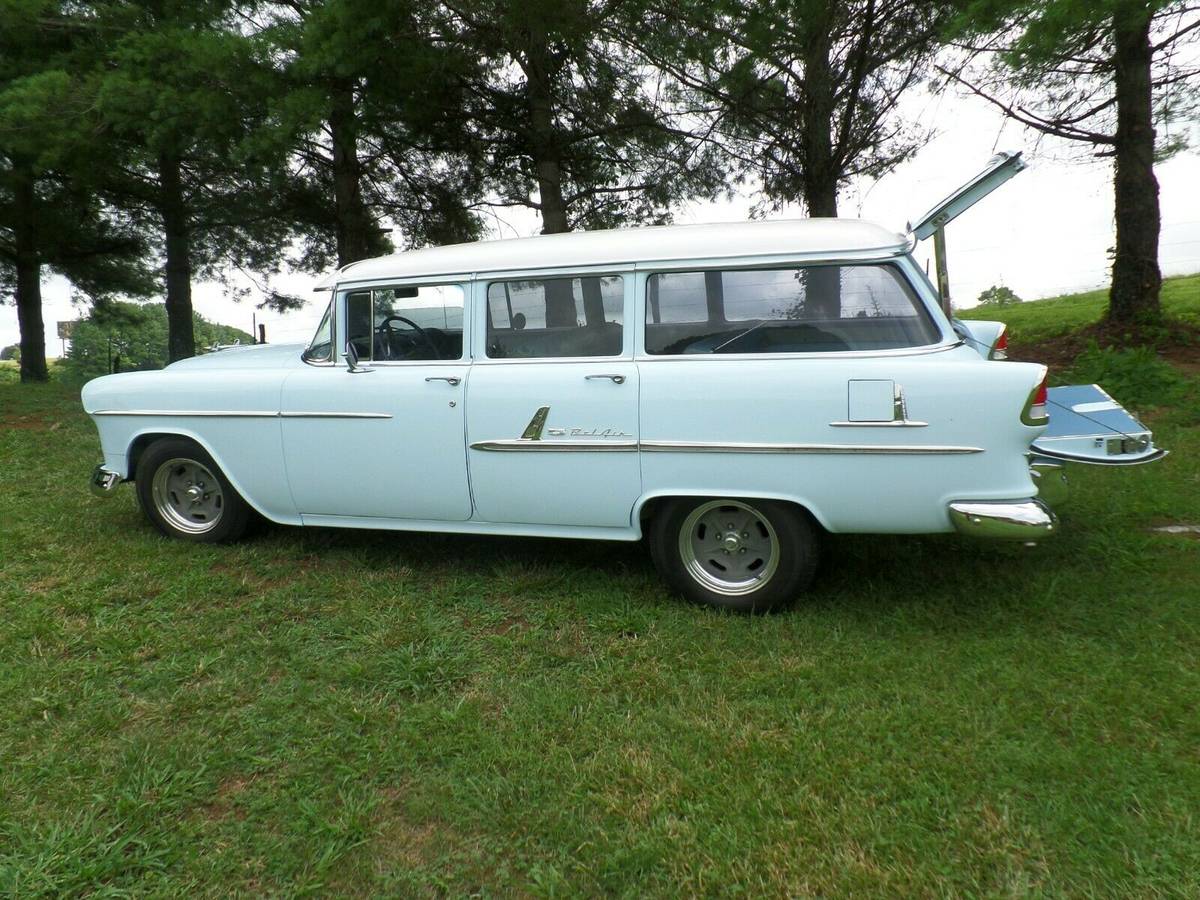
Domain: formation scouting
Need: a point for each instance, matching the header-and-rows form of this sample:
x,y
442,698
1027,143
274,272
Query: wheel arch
x,y
651,503
142,440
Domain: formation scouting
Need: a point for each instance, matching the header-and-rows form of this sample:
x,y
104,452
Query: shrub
x,y
998,295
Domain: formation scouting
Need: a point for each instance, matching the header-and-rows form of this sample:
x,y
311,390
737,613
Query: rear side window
x,y
814,309
555,317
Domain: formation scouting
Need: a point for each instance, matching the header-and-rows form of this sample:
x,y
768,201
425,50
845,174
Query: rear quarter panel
x,y
965,401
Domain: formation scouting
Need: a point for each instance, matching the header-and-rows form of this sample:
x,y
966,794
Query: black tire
x,y
783,537
170,468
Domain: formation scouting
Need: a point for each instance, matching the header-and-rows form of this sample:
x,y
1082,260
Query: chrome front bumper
x,y
1013,520
103,482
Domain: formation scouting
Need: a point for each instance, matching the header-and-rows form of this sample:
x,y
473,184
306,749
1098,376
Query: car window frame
x,y
902,262
484,280
464,285
331,312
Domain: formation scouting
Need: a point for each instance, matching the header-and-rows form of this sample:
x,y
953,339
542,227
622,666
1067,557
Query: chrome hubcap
x,y
187,496
729,547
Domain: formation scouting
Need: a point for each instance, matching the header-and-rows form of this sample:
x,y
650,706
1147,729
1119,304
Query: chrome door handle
x,y
449,379
616,379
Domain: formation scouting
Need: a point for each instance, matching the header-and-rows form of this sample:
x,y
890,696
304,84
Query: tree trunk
x,y
547,164
29,281
181,339
821,175
1136,278
353,224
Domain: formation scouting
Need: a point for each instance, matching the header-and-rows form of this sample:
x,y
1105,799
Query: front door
x,y
552,411
385,441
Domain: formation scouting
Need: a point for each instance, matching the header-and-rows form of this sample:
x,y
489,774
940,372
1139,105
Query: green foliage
x,y
369,103
1135,374
138,335
1039,321
803,93
569,119
998,295
11,352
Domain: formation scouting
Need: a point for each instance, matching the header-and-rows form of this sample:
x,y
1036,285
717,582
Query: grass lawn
x,y
347,712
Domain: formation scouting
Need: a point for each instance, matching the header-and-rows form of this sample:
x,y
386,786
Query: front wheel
x,y
746,555
185,494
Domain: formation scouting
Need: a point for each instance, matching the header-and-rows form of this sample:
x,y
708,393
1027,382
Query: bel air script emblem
x,y
533,431
587,432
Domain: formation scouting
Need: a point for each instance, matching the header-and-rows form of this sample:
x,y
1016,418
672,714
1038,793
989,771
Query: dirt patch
x,y
405,841
291,571
28,423
224,802
43,585
1176,342
1176,529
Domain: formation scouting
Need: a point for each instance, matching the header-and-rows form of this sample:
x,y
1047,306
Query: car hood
x,y
252,356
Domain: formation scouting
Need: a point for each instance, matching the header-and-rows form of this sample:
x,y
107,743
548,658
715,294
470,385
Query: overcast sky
x,y
1046,232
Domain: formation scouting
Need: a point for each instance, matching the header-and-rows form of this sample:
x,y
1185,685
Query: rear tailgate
x,y
1088,426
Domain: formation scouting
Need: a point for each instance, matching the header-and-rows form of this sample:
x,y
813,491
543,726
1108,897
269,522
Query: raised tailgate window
x,y
815,309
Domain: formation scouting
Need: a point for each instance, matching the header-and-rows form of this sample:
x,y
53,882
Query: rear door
x,y
1089,426
552,403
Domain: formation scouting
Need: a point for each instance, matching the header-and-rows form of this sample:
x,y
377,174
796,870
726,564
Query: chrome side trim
x,y
537,444
739,447
906,423
240,414
231,413
334,415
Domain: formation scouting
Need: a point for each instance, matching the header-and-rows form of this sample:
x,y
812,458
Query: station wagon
x,y
727,392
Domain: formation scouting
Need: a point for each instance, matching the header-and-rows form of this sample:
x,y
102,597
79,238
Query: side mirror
x,y
352,359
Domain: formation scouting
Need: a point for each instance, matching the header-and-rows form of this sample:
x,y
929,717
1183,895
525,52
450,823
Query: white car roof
x,y
625,246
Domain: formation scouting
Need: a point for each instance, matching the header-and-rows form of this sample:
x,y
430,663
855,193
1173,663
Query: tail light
x,y
1000,348
1035,412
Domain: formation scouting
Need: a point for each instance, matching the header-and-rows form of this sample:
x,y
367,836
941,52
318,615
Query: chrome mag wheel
x,y
187,496
729,547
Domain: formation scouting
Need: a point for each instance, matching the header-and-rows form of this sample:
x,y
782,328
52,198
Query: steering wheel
x,y
383,329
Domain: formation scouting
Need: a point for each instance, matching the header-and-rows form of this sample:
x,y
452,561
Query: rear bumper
x,y
103,482
1013,520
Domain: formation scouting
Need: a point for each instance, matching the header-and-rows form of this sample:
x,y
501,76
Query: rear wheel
x,y
746,555
185,494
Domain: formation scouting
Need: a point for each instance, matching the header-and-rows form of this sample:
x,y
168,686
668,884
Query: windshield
x,y
320,348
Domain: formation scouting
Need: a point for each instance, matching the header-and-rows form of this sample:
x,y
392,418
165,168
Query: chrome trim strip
x,y
240,414
231,413
747,447
525,444
895,423
334,415
537,444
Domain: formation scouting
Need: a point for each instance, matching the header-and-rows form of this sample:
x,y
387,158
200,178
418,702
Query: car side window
x,y
406,324
555,317
813,309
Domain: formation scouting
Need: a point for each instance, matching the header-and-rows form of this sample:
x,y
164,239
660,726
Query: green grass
x,y
1043,320
348,712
